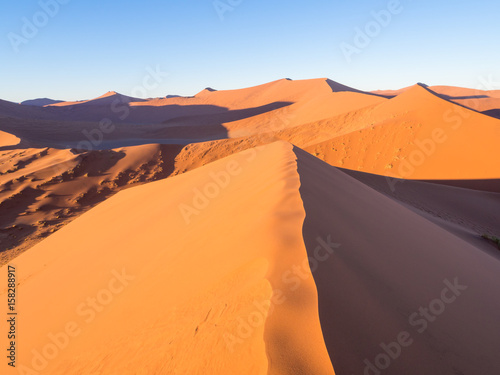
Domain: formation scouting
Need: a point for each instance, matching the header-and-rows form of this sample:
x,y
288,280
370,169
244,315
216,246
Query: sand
x,y
293,227
418,135
7,139
183,322
188,317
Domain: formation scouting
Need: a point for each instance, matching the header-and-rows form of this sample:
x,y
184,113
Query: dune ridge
x,y
246,274
415,135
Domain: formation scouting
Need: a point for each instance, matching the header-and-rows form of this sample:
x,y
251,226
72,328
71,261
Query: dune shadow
x,y
338,87
448,97
451,99
488,185
229,116
374,262
102,128
495,113
11,148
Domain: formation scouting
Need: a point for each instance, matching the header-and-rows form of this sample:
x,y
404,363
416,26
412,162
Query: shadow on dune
x,y
123,112
19,146
384,263
170,124
338,87
492,185
386,184
493,113
448,97
106,134
118,111
229,116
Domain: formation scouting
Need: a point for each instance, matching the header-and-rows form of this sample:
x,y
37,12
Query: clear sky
x,y
88,47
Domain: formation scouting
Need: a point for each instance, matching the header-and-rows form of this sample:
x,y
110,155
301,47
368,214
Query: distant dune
x,y
7,139
42,102
417,135
105,99
486,102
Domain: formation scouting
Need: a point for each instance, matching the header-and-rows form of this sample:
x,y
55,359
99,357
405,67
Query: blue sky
x,y
86,48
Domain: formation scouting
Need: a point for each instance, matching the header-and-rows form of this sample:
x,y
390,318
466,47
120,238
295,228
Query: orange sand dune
x,y
124,109
320,270
283,90
253,256
279,116
319,108
214,115
187,318
44,189
7,139
392,264
486,102
460,92
392,93
417,135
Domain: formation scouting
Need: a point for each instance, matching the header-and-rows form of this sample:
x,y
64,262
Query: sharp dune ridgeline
x,y
295,227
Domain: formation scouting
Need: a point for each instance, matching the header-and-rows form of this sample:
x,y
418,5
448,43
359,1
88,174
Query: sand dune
x,y
7,139
295,227
417,135
187,322
484,101
236,316
216,115
105,99
44,189
41,102
9,109
391,263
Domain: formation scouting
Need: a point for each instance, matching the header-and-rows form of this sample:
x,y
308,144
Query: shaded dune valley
x,y
296,227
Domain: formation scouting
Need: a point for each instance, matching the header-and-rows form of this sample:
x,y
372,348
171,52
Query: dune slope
x,y
44,189
178,280
401,295
269,261
417,135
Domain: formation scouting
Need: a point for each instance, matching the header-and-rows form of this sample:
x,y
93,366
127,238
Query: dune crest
x,y
231,317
